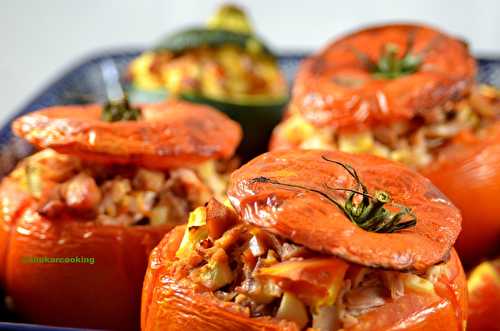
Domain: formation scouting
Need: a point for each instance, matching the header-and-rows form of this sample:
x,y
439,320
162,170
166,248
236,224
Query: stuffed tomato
x,y
407,93
484,297
80,217
312,240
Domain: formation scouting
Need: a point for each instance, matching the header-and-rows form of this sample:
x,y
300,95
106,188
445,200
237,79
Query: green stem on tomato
x,y
369,213
120,110
390,64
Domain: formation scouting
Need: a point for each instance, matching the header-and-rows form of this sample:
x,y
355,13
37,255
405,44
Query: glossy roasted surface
x,y
168,304
169,134
105,294
311,220
333,87
468,172
484,297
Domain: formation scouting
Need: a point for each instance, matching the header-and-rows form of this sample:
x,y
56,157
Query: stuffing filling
x,y
265,275
115,194
222,73
416,142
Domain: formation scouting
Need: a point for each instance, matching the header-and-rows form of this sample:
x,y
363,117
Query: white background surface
x,y
39,39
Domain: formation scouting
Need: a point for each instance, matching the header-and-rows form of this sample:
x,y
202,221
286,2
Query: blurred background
x,y
41,39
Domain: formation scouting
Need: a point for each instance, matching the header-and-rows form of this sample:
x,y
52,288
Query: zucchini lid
x,y
198,37
269,192
247,102
229,25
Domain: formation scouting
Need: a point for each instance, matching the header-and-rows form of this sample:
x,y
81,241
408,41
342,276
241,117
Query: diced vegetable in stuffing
x,y
266,275
117,195
415,142
418,284
196,231
292,309
216,273
223,73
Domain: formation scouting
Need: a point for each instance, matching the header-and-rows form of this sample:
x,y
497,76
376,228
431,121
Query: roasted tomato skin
x,y
445,311
484,297
169,305
325,227
469,174
335,88
12,202
169,134
104,295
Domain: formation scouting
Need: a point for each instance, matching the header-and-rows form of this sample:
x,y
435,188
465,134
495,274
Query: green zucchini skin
x,y
198,37
257,121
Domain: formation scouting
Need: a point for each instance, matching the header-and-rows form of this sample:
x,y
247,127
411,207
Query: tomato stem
x,y
369,213
120,110
390,65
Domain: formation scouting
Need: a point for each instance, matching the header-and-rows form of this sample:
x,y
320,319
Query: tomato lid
x,y
382,74
290,193
169,134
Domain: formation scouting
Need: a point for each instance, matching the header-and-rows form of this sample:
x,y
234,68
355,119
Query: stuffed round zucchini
x,y
223,65
80,217
317,240
484,297
407,93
